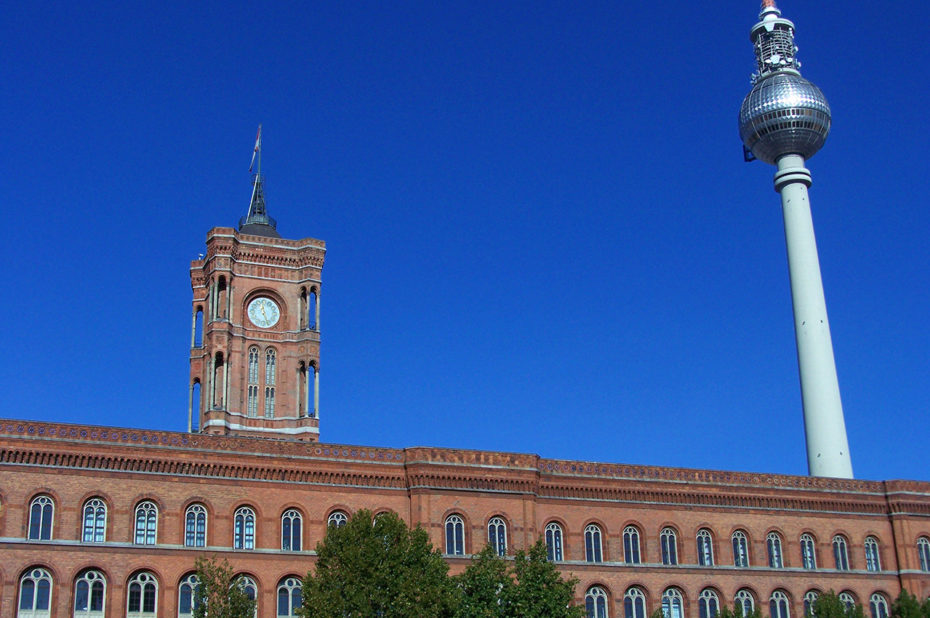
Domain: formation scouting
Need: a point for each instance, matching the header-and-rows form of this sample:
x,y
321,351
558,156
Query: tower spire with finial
x,y
257,221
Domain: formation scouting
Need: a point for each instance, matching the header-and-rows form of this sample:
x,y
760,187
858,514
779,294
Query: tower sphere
x,y
784,114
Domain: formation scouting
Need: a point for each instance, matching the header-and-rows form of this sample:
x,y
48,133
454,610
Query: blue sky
x,y
541,233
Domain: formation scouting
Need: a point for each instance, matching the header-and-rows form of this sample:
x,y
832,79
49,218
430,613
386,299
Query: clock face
x,y
263,312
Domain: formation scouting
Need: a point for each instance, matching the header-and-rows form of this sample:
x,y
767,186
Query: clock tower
x,y
255,336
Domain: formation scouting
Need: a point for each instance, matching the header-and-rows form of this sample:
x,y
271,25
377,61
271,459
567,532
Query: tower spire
x,y
785,120
257,221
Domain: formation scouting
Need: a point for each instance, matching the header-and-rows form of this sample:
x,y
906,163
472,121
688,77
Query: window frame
x,y
195,535
97,529
673,603
778,601
37,576
244,528
840,552
146,581
632,551
290,584
740,542
41,528
705,548
497,535
146,532
808,552
596,602
923,554
593,544
708,603
668,542
293,532
90,577
555,549
455,541
775,550
634,603
873,560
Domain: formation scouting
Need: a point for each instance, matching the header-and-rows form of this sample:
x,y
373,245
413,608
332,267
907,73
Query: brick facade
x,y
72,464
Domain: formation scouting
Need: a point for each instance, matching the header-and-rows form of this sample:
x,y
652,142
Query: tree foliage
x,y
828,605
909,606
218,593
737,612
377,566
529,588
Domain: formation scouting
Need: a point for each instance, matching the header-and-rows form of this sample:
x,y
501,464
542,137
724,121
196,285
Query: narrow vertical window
x,y
923,553
778,605
313,309
288,597
291,528
773,543
302,309
840,553
244,528
595,602
35,594
672,605
740,549
41,515
252,403
195,526
708,604
94,526
634,603
146,523
197,328
872,561
497,535
142,597
705,548
631,545
89,594
669,541
810,597
745,602
188,596
808,552
455,535
270,361
554,542
592,543
878,606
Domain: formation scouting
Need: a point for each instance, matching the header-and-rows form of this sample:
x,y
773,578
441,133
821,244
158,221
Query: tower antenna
x,y
783,121
257,220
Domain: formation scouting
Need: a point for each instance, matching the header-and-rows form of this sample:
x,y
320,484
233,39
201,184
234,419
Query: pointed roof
x,y
258,222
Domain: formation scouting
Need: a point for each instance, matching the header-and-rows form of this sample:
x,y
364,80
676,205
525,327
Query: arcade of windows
x,y
141,601
673,601
145,523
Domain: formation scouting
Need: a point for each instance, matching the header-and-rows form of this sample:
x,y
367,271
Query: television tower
x,y
783,121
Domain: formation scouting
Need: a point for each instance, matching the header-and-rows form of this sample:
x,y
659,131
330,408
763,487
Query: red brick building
x,y
100,521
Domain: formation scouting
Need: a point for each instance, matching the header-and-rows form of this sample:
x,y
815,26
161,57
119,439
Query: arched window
x,y
250,588
244,528
808,552
840,553
337,519
669,540
455,536
878,606
288,597
778,605
89,594
270,371
923,553
188,595
773,543
740,549
252,403
195,526
708,604
744,601
35,594
847,599
94,528
631,545
872,561
634,603
41,516
142,598
197,328
672,605
314,309
592,543
497,535
291,530
554,542
705,548
146,523
595,602
810,597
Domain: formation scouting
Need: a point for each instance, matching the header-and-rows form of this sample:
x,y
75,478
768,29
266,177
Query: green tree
x,y
483,585
219,592
828,605
530,587
540,591
737,612
909,606
377,566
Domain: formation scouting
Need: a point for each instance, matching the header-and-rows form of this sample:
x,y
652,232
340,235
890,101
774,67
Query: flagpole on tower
x,y
257,220
257,151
